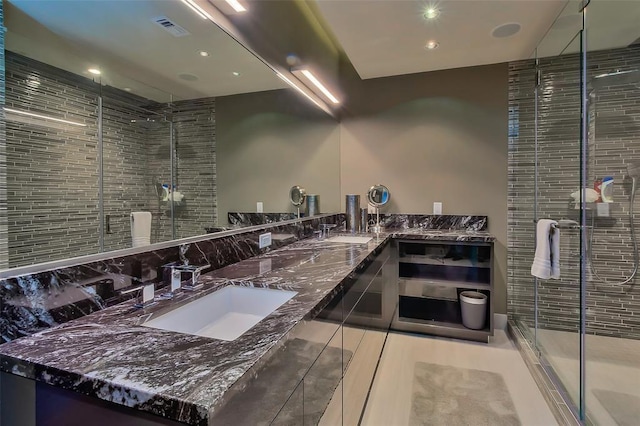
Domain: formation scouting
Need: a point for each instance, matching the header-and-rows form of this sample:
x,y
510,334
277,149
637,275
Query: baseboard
x,y
500,322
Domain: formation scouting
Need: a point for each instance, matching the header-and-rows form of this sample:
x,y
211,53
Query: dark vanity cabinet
x,y
431,276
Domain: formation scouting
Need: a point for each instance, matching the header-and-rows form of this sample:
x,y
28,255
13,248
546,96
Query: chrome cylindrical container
x,y
352,213
313,205
364,220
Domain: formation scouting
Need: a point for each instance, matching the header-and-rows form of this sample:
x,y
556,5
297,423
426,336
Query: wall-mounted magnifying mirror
x,y
378,196
297,195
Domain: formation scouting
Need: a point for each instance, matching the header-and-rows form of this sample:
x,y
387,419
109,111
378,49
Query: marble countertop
x,y
109,355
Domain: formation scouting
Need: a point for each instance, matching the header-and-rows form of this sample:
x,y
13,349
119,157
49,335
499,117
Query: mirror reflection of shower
x,y
599,83
155,127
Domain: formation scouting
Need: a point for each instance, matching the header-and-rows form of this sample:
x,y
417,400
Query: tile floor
x,y
389,403
612,374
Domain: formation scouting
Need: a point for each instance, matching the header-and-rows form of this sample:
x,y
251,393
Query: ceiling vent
x,y
170,26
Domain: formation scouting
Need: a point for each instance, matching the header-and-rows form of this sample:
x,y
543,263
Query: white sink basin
x,y
225,314
348,239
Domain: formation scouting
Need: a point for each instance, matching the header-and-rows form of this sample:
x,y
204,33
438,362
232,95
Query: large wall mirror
x,y
115,107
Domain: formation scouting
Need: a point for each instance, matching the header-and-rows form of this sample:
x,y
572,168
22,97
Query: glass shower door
x,y
558,179
612,346
558,331
194,160
135,148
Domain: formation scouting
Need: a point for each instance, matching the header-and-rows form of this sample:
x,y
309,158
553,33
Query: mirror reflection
x,y
116,107
297,196
378,195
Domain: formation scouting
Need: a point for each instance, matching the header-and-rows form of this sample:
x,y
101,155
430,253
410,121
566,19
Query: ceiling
x,y
387,38
133,52
380,37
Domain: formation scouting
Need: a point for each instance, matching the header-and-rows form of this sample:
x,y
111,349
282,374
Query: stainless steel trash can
x,y
474,309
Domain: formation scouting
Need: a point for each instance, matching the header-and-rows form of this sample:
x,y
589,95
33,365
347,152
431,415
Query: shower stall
x,y
574,122
157,157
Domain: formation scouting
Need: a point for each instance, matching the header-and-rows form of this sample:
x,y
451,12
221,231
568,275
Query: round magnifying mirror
x,y
378,195
297,195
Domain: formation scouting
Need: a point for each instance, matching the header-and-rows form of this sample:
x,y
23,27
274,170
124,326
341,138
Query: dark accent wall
x,y
614,113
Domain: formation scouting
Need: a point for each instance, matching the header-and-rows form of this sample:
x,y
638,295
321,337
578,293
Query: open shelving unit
x,y
431,276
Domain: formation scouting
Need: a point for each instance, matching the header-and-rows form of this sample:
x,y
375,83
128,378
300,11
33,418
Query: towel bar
x,y
564,224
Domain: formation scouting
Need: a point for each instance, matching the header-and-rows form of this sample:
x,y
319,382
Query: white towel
x,y
140,229
546,262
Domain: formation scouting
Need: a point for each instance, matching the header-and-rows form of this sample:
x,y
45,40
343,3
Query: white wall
x,y
268,142
439,136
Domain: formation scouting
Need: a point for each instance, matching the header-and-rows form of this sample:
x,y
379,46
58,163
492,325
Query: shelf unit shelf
x,y
447,283
445,325
464,263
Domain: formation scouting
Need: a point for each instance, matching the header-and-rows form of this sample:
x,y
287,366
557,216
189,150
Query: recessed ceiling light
x,y
431,45
506,30
431,12
203,53
94,71
127,89
235,73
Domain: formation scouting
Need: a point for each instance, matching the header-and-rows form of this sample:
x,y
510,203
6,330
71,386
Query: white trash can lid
x,y
473,297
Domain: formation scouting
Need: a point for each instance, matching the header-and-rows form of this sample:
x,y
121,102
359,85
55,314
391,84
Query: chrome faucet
x,y
147,291
324,231
183,253
178,270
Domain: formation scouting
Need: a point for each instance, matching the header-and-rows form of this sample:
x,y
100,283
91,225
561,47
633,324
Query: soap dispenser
x,y
607,189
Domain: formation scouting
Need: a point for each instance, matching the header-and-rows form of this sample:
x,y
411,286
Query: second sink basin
x,y
348,239
225,314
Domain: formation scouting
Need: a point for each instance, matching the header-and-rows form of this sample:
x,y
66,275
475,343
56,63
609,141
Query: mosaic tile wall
x,y
53,170
612,309
48,161
4,243
195,173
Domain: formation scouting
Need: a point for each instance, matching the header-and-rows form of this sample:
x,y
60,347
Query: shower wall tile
x,y
4,230
125,164
614,141
194,132
52,181
47,162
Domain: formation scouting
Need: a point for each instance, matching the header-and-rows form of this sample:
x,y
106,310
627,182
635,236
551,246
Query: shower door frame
x,y
579,409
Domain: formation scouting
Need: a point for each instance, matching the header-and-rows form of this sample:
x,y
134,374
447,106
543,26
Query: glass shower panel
x,y
136,140
557,177
544,128
195,166
612,310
